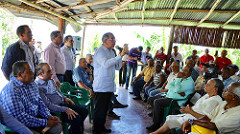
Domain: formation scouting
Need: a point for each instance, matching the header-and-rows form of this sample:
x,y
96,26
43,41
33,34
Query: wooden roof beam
x,y
209,13
83,5
50,12
234,16
174,11
143,10
116,17
114,9
40,1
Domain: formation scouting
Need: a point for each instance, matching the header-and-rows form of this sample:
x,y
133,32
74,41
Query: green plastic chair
x,y
65,125
7,130
80,96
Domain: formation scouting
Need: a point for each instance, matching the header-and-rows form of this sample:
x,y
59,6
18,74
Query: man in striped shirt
x,y
69,58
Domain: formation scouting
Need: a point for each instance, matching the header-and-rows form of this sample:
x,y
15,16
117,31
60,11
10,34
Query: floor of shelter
x,y
133,120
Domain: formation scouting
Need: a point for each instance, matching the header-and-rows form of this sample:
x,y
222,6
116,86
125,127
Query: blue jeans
x,y
154,92
138,86
148,89
130,67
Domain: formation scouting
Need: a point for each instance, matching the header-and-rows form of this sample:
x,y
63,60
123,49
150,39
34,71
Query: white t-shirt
x,y
226,121
171,77
178,57
204,106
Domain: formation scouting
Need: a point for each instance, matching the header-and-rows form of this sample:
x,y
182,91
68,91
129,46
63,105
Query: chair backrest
x,y
69,89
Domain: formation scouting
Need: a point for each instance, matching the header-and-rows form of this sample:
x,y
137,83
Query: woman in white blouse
x,y
203,106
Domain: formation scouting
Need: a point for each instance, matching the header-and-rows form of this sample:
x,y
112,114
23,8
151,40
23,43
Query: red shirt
x,y
222,62
167,69
206,59
162,57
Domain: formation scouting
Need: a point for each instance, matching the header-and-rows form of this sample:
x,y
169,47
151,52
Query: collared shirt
x,y
79,74
147,72
162,57
226,120
39,51
134,53
105,63
177,57
177,86
29,55
144,57
235,77
223,62
69,57
55,58
171,77
12,123
24,103
194,74
50,95
227,82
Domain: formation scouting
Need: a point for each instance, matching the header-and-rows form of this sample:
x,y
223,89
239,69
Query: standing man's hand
x,y
58,84
71,113
67,100
91,95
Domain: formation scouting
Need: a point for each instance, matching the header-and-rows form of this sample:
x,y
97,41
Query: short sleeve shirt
x,y
147,72
134,53
222,62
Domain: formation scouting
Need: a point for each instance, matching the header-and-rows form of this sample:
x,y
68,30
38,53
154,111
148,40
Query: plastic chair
x,y
65,125
7,130
80,96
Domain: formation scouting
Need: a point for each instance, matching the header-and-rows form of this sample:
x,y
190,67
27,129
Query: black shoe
x,y
130,92
152,127
107,130
119,105
150,114
113,115
137,98
116,95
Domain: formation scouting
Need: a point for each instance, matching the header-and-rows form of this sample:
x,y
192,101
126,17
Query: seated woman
x,y
204,106
156,81
225,117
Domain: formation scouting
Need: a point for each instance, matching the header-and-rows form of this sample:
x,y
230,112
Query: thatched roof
x,y
201,13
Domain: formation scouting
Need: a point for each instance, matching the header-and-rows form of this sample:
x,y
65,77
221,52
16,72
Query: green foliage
x,y
96,43
6,24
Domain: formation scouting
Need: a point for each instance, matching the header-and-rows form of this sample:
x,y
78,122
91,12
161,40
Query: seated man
x,y
226,77
20,98
225,117
138,82
55,101
180,88
11,123
233,70
203,106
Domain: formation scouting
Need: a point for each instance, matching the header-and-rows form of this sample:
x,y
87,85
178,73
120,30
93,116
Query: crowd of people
x,y
31,98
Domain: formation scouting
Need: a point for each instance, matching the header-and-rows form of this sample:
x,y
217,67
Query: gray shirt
x,y
50,95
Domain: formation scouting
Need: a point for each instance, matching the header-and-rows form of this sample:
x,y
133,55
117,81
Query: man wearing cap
x,y
206,58
225,117
223,60
134,55
176,55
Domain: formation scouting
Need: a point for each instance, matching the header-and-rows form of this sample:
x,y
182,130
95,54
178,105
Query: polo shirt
x,y
222,62
147,72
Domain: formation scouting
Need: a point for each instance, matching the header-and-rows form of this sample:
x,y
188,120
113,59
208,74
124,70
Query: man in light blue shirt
x,y
180,88
105,63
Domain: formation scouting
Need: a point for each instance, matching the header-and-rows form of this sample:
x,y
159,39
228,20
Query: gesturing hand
x,y
186,109
71,114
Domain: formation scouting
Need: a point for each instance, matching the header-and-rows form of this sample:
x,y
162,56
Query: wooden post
x,y
170,45
61,25
83,37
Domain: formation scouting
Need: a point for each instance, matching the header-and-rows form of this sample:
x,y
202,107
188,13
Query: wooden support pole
x,y
61,26
170,44
83,38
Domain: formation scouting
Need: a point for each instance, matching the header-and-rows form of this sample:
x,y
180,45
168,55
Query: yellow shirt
x,y
147,72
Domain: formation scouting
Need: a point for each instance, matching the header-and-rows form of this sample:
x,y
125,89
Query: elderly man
x,y
225,117
233,70
176,55
134,55
227,80
105,63
55,58
195,74
180,88
222,61
138,82
20,98
69,59
82,76
55,101
206,58
204,106
19,51
89,59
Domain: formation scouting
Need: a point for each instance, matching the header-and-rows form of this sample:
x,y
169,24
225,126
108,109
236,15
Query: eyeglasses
x,y
111,39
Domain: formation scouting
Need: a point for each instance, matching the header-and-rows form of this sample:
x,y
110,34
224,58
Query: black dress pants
x,y
76,123
68,77
101,104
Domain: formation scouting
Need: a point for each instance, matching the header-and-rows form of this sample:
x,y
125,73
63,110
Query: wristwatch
x,y
191,121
